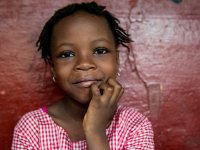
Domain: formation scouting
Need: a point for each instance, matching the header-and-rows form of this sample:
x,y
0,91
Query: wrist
x,y
97,140
94,131
91,128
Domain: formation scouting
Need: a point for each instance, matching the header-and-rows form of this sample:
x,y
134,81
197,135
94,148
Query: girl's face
x,y
83,53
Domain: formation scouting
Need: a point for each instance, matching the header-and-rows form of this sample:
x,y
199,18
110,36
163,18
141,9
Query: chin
x,y
84,99
76,92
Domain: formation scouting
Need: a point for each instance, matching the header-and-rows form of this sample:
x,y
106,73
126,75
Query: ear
x,y
52,68
117,57
53,71
117,63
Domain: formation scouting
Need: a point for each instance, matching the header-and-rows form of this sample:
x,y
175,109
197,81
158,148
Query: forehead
x,y
80,16
83,23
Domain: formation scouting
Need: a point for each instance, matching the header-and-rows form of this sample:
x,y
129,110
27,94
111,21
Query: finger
x,y
120,94
95,91
107,92
117,90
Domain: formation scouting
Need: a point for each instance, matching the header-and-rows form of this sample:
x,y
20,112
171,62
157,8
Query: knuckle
x,y
119,87
110,89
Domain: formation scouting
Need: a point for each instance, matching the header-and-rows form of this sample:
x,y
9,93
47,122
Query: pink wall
x,y
161,75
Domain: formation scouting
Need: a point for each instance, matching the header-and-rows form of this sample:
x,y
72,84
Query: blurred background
x,y
161,73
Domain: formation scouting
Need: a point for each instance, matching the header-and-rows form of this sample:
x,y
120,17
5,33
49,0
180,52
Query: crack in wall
x,y
132,61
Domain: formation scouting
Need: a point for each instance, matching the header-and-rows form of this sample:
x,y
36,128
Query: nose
x,y
84,63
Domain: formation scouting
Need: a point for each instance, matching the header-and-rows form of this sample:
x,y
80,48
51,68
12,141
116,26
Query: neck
x,y
73,108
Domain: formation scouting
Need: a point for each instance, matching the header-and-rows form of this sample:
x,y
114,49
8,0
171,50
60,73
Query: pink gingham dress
x,y
129,130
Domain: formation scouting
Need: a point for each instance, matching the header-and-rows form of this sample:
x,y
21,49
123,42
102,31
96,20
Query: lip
x,y
85,83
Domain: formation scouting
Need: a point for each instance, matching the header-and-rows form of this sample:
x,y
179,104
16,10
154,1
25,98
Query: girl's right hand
x,y
102,107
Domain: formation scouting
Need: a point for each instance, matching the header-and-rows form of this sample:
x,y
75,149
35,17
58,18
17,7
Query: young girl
x,y
80,44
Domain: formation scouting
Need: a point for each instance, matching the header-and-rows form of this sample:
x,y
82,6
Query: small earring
x,y
54,79
118,73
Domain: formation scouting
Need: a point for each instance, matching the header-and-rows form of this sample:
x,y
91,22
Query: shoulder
x,y
26,132
134,128
125,112
30,120
130,117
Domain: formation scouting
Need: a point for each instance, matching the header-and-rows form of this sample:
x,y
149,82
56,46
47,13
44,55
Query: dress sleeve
x,y
142,138
25,135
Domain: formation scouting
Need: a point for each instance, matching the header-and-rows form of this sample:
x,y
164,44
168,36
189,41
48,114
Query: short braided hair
x,y
44,41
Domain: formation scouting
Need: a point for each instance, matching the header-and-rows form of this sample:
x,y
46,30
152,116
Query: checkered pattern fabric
x,y
129,130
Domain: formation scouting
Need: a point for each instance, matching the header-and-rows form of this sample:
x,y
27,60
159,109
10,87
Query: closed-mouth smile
x,y
86,83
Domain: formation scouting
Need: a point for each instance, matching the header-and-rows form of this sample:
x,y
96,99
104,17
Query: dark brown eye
x,y
66,54
100,50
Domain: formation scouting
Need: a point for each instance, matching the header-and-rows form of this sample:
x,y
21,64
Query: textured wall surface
x,y
161,74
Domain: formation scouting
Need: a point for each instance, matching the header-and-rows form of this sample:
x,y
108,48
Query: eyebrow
x,y
94,41
102,39
63,44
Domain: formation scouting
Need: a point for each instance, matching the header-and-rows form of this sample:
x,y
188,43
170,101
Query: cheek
x,y
110,69
63,78
62,72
